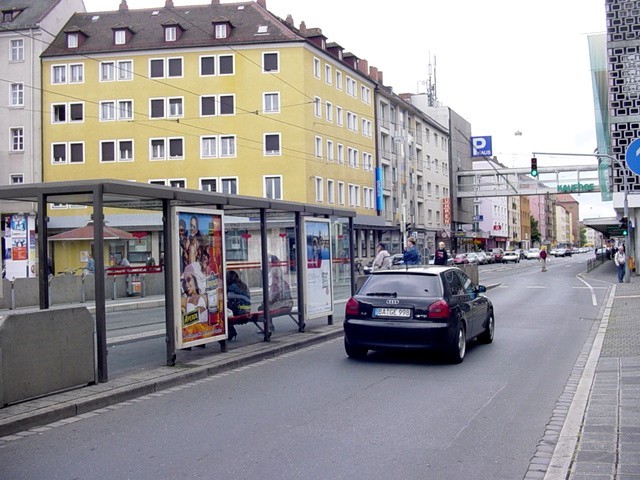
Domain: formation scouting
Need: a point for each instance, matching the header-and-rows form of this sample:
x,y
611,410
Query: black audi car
x,y
418,308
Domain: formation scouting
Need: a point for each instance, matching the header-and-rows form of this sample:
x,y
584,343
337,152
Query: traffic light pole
x,y
625,204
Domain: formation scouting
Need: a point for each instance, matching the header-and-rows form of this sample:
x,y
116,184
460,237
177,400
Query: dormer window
x,y
72,40
10,15
172,31
221,30
170,34
119,37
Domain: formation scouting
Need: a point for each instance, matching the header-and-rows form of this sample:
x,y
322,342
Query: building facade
x,y
219,97
27,28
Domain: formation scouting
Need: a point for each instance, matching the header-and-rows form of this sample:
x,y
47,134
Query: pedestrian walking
x,y
383,258
411,255
441,255
543,258
620,259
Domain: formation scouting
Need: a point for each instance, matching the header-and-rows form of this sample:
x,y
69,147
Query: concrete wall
x,y
66,289
42,352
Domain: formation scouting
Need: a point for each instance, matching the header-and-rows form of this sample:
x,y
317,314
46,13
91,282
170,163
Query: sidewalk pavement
x,y
594,432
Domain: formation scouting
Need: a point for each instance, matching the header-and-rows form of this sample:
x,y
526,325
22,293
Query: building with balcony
x,y
413,167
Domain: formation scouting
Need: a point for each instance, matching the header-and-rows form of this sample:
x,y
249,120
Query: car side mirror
x,y
481,289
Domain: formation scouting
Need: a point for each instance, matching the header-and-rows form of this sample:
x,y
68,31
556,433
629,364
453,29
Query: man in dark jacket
x,y
411,255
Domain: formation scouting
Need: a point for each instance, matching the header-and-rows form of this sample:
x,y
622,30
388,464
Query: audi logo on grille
x,y
393,302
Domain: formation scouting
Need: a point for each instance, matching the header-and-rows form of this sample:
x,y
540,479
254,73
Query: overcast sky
x,y
506,66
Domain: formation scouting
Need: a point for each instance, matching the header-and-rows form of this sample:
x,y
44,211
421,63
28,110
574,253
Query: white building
x,y
27,29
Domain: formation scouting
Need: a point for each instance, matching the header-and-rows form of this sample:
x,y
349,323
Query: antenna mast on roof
x,y
432,94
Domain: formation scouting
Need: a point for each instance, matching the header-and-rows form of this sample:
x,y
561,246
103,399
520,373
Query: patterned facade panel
x,y
623,49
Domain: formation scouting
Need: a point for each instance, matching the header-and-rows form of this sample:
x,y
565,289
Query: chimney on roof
x,y
289,20
262,3
373,73
303,28
168,3
215,2
123,6
363,66
380,80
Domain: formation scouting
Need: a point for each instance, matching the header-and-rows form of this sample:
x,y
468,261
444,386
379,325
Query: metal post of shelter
x,y
265,275
43,253
302,292
352,252
101,316
167,227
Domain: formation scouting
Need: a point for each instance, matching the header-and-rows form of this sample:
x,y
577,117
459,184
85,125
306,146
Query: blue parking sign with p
x,y
481,147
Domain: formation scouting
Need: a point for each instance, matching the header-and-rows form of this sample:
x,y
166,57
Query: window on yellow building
x,y
272,144
225,64
270,62
207,105
207,65
208,147
227,104
271,103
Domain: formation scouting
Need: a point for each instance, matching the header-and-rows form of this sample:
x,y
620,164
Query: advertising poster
x,y
199,254
20,246
317,276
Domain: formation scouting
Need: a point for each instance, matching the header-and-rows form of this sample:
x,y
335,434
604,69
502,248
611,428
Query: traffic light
x,y
624,226
534,167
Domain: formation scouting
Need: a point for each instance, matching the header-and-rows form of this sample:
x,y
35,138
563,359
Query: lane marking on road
x,y
593,293
536,286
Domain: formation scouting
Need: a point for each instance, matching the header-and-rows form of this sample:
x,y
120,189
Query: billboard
x,y
20,246
200,313
317,275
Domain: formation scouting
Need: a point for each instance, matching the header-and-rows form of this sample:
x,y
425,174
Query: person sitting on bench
x,y
238,298
279,293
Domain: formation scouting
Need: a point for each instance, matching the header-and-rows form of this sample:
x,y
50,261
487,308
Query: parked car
x,y
482,258
497,255
460,259
533,254
511,256
562,252
431,307
490,257
472,257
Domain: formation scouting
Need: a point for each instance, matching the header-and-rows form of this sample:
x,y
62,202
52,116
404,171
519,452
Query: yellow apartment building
x,y
221,97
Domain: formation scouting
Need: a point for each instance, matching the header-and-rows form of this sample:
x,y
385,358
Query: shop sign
x,y
576,188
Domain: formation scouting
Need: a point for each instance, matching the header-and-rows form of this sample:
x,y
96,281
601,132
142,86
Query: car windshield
x,y
401,285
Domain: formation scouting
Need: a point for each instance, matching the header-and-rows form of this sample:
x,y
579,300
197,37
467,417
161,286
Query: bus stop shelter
x,y
104,194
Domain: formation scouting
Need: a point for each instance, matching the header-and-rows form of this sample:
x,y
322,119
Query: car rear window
x,y
402,284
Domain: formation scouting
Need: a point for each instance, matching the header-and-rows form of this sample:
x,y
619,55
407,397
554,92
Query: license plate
x,y
392,312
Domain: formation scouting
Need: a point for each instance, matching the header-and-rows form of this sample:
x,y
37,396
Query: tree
x,y
535,233
583,236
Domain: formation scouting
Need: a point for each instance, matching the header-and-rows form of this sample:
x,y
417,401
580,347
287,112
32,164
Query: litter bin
x,y
134,285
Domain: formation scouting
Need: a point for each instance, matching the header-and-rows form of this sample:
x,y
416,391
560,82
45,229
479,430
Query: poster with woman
x,y
199,259
319,286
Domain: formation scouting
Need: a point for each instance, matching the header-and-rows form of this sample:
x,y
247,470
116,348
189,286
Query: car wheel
x,y
355,352
486,337
458,347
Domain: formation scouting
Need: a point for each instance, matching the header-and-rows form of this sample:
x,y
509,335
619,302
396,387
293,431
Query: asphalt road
x,y
315,414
